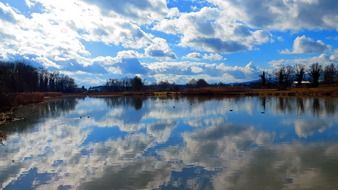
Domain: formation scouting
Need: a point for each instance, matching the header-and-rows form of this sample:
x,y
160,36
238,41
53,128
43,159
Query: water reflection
x,y
300,105
28,116
178,143
136,102
330,105
263,102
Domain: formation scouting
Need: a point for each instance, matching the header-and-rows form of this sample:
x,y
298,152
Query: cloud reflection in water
x,y
185,143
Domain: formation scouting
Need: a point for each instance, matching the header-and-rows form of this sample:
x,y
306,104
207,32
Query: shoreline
x,y
226,91
16,100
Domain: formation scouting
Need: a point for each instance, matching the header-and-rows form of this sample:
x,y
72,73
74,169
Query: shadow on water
x,y
29,115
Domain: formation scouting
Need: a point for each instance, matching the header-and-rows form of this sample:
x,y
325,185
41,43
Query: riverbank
x,y
331,91
9,102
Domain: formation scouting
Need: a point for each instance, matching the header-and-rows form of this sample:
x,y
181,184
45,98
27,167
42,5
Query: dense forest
x,y
21,77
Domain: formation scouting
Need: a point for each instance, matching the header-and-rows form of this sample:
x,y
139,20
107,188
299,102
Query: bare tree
x,y
263,78
21,77
289,73
315,70
280,74
299,73
330,73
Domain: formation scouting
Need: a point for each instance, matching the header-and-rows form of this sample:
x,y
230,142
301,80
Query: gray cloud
x,y
161,53
282,15
211,30
131,66
206,56
218,45
139,10
73,65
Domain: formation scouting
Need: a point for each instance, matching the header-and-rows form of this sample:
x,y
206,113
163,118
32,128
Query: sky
x,y
168,40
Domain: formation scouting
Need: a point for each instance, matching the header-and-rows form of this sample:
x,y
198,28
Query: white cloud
x,y
324,59
141,10
213,57
124,64
193,55
182,72
56,34
303,44
283,15
159,49
210,29
55,37
206,56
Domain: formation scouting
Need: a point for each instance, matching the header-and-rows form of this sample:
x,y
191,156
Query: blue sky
x,y
174,40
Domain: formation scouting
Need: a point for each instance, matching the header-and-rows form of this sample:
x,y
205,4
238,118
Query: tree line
x,y
21,77
137,83
297,75
120,85
282,77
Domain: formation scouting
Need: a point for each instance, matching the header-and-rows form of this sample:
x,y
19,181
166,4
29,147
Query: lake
x,y
172,143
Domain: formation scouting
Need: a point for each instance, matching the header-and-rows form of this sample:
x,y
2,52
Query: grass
x,y
230,91
10,100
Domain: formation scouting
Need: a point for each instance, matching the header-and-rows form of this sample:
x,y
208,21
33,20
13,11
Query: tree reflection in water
x,y
172,143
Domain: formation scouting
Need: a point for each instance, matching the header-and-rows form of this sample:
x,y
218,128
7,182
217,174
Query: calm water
x,y
184,143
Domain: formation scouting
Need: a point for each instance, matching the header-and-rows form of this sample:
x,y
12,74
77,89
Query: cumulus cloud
x,y
193,55
125,63
206,56
283,15
217,45
212,72
141,10
303,44
159,49
210,29
324,59
41,36
59,35
213,57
